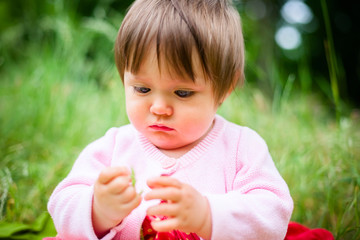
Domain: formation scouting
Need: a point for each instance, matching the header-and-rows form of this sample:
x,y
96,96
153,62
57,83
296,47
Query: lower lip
x,y
161,128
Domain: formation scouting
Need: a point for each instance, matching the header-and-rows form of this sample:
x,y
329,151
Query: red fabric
x,y
297,231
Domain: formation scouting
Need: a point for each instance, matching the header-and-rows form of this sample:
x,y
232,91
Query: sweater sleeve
x,y
259,205
70,205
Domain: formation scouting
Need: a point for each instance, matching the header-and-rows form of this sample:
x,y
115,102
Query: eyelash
x,y
184,93
179,93
142,90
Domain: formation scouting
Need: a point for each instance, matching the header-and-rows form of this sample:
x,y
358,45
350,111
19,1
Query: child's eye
x,y
142,89
184,93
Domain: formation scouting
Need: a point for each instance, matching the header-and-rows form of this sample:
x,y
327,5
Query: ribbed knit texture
x,y
231,166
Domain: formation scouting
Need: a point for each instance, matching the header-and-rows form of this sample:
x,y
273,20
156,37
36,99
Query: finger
x,y
163,181
108,174
126,208
133,203
166,193
165,225
118,184
165,209
128,194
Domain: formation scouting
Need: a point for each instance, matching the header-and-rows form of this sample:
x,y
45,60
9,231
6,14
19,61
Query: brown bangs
x,y
166,31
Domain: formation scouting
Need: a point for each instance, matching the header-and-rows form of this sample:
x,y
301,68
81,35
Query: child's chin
x,y
168,146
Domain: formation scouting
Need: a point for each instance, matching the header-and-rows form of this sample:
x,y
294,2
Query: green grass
x,y
60,96
54,100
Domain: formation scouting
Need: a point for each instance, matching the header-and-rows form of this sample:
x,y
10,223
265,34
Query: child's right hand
x,y
114,199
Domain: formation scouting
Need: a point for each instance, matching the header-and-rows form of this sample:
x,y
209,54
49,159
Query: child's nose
x,y
161,107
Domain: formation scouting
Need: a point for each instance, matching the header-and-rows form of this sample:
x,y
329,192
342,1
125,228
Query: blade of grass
x,y
332,60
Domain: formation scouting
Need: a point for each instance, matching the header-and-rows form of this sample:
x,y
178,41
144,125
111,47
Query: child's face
x,y
171,112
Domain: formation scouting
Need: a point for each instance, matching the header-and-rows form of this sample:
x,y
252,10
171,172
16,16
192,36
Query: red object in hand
x,y
297,231
150,233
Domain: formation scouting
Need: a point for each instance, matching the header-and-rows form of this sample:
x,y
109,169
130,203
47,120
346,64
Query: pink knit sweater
x,y
231,166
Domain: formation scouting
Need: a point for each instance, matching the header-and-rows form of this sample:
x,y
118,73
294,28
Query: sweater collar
x,y
169,164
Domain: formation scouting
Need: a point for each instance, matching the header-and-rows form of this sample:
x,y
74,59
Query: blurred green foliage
x,y
34,22
59,90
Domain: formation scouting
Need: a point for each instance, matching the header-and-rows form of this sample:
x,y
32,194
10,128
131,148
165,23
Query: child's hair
x,y
178,27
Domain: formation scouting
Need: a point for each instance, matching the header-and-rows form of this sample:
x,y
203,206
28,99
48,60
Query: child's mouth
x,y
161,128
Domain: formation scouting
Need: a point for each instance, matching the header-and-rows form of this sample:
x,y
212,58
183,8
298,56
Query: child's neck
x,y
172,153
177,153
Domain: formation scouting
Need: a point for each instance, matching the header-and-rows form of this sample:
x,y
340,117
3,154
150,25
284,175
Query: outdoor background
x,y
59,91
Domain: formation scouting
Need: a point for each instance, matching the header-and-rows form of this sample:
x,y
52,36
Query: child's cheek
x,y
135,112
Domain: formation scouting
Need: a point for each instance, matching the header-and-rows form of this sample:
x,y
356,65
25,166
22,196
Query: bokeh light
x,y
296,12
288,37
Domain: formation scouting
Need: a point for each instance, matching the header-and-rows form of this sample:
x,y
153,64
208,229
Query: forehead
x,y
157,63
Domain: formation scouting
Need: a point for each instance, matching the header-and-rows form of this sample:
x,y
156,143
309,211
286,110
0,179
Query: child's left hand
x,y
185,208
